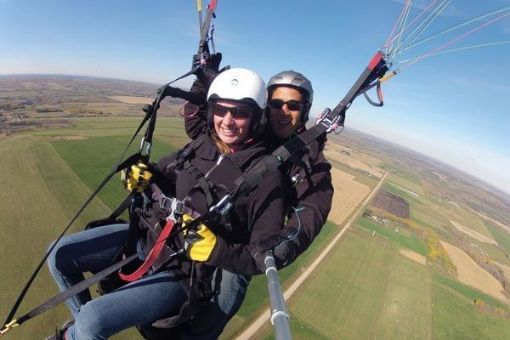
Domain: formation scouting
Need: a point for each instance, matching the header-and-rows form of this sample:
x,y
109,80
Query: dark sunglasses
x,y
237,112
292,105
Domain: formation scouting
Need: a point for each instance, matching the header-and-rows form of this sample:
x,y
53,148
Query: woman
x,y
198,177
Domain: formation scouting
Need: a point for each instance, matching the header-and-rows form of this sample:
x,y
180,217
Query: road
x,y
249,332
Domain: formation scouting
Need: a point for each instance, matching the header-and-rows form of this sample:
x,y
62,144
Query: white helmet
x,y
241,85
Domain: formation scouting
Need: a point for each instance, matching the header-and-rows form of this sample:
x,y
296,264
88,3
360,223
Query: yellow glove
x,y
136,178
199,244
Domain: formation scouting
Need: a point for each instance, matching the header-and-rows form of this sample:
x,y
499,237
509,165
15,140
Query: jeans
x,y
135,304
213,318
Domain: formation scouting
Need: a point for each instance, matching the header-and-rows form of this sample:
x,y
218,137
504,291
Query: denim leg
x,y
213,318
135,304
89,250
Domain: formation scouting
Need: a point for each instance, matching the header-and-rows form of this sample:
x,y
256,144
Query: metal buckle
x,y
165,202
296,179
223,205
145,147
175,207
331,123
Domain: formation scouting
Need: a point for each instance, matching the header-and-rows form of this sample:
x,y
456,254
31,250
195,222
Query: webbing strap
x,y
329,122
202,181
72,291
153,254
270,163
123,206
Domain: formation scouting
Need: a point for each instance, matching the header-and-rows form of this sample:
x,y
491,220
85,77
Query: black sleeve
x,y
195,124
310,206
314,196
195,118
163,177
266,213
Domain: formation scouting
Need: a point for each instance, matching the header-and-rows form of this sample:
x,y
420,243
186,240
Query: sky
x,y
453,107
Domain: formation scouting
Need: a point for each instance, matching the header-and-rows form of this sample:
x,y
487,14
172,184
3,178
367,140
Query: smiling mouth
x,y
283,121
229,131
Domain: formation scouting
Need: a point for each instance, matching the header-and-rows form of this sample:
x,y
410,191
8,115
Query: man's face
x,y
286,105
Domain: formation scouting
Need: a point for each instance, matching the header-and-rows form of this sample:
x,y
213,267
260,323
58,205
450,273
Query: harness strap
x,y
152,256
175,209
123,206
202,181
198,296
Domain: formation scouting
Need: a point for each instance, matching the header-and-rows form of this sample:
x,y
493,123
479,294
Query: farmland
x,y
389,272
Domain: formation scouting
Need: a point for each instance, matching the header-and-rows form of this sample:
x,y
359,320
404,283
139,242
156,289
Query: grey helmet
x,y
296,80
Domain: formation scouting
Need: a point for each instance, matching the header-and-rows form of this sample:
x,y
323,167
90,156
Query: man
x,y
309,192
309,173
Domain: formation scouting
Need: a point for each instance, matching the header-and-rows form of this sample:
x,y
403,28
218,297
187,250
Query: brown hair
x,y
222,146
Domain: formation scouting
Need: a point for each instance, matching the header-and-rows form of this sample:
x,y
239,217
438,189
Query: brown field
x,y
66,138
470,273
441,176
348,195
391,203
113,108
474,234
132,99
505,227
407,190
414,256
352,162
58,87
505,269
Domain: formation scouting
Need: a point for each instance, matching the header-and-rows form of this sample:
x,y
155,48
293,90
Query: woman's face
x,y
231,121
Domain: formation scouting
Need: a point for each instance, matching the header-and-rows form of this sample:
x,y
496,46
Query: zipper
x,y
214,166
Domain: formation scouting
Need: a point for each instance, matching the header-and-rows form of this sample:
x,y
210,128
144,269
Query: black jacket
x,y
252,218
311,193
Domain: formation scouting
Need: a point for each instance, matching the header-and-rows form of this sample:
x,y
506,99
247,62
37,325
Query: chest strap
x,y
202,183
176,209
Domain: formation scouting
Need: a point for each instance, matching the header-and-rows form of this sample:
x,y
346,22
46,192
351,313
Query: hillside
x,y
429,258
43,101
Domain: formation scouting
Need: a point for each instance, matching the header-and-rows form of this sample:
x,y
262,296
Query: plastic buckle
x,y
165,203
178,207
331,123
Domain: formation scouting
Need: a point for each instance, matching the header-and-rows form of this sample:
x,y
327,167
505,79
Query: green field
x,y
399,192
45,180
257,293
364,290
414,186
500,236
401,237
455,317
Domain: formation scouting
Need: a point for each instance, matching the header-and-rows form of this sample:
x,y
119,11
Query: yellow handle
x,y
201,249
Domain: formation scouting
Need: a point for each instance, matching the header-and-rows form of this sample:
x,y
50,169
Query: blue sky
x,y
453,107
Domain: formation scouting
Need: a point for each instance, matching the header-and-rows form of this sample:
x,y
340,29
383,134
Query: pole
x,y
279,313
